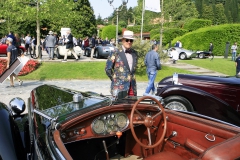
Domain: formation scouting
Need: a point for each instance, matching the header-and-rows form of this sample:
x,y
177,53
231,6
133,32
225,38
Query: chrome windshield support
x,y
54,125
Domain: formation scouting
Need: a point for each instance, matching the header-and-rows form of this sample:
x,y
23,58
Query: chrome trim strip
x,y
42,114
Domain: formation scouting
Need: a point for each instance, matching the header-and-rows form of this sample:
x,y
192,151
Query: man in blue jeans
x,y
152,61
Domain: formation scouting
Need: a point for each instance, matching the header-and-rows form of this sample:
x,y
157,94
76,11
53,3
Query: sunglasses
x,y
129,40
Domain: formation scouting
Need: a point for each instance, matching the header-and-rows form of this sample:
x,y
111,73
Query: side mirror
x,y
17,105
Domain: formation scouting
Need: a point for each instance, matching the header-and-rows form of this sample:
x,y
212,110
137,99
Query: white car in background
x,y
61,50
183,53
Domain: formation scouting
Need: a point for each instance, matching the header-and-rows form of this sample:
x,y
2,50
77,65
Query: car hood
x,y
60,104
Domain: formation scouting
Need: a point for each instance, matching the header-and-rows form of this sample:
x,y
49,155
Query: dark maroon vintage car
x,y
3,49
214,96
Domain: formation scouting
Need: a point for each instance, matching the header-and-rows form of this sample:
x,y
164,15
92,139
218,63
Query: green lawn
x,y
86,70
221,65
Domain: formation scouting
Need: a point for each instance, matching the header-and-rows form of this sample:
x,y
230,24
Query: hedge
x,y
168,34
194,24
218,35
148,28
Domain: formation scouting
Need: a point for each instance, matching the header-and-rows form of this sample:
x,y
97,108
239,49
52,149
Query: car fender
x,y
11,146
215,108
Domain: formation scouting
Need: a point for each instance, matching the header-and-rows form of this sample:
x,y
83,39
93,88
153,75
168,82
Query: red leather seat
x,y
165,155
227,150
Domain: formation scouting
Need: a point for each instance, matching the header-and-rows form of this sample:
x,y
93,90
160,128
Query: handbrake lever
x,y
174,133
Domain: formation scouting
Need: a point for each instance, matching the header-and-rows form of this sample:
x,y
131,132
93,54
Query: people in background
x,y
174,55
28,41
237,62
69,46
50,44
234,51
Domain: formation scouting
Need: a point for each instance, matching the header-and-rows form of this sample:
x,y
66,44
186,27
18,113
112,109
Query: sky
x,y
103,8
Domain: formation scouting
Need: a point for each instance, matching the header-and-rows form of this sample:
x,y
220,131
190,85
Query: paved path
x,y
99,86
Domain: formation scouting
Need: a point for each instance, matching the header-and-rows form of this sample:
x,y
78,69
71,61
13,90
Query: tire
x,y
201,55
178,103
88,53
183,56
97,54
57,54
21,51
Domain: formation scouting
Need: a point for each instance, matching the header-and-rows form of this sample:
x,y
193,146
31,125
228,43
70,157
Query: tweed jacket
x,y
69,43
118,70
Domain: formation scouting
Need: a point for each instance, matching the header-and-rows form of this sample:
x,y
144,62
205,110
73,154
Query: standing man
x,y
211,50
50,44
238,65
121,67
28,40
152,62
12,54
93,43
69,46
234,51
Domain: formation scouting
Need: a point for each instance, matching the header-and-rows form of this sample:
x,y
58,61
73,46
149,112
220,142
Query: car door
x,y
3,49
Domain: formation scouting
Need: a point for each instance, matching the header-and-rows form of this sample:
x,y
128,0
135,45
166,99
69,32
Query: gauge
x,y
115,128
109,129
111,122
98,126
122,121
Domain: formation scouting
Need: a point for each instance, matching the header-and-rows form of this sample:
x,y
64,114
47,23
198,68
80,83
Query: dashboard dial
x,y
122,121
98,126
111,122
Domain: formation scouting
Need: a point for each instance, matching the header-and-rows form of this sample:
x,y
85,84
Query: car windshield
x,y
58,103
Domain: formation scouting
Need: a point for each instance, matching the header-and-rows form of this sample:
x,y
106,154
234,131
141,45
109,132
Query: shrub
x,y
194,24
146,28
3,65
30,66
218,35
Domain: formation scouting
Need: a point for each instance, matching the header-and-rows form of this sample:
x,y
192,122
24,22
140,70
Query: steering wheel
x,y
148,121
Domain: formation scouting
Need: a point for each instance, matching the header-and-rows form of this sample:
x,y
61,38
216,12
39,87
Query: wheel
x,y
21,52
150,121
178,103
183,56
201,55
57,54
88,53
97,54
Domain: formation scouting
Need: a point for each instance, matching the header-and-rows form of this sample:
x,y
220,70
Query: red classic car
x,y
65,124
3,49
214,96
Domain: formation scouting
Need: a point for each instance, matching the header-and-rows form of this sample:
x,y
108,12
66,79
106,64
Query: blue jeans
x,y
151,78
234,56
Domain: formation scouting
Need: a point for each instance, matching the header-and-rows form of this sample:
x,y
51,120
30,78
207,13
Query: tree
x,y
208,13
78,15
220,17
99,20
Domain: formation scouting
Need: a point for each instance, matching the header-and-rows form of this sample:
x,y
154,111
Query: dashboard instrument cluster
x,y
110,123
